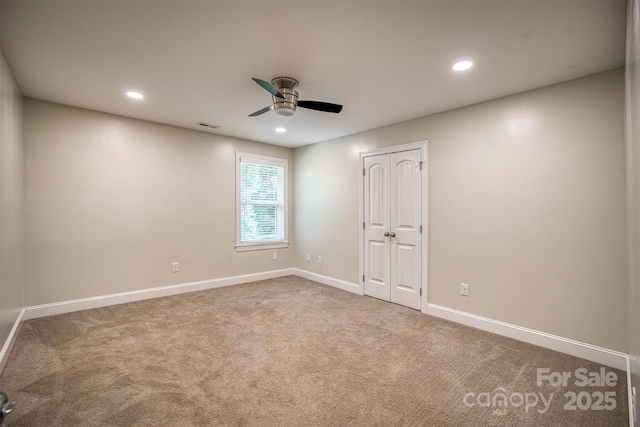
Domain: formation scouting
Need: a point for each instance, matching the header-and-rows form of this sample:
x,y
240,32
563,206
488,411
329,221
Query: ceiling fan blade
x,y
264,110
269,87
320,106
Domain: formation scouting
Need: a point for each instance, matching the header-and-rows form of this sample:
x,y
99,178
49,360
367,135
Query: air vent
x,y
207,125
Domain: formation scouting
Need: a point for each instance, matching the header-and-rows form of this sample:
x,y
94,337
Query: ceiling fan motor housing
x,y
285,106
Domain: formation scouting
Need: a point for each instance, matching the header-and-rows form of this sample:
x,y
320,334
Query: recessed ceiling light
x,y
135,95
281,130
462,65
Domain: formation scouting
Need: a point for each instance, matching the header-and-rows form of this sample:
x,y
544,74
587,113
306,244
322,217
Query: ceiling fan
x,y
285,98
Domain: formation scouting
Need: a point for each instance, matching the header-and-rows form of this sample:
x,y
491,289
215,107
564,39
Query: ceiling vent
x,y
208,125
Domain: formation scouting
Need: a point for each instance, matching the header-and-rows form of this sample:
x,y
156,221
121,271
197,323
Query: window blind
x,y
262,201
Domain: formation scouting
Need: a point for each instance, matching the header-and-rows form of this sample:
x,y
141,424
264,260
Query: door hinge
x,y
420,229
364,225
420,162
420,291
364,172
363,277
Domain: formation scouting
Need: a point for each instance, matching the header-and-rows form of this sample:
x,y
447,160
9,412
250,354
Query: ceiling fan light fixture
x,y
285,112
281,130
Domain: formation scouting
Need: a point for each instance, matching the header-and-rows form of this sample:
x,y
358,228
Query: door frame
x,y
423,147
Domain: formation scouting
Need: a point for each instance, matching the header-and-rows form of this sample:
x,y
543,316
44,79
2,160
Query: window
x,y
261,202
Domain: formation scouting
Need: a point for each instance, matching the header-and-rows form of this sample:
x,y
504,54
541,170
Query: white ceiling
x,y
385,61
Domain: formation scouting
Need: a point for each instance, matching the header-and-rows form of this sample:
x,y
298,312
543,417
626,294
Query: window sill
x,y
261,246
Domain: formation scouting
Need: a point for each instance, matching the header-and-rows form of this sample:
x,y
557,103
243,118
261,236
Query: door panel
x,y
378,190
376,218
378,260
406,218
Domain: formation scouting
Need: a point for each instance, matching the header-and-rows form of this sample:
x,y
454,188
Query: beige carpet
x,y
285,352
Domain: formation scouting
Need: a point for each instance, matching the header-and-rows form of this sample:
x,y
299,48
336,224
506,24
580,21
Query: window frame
x,y
270,161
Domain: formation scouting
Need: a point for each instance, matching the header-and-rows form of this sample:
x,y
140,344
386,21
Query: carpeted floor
x,y
289,352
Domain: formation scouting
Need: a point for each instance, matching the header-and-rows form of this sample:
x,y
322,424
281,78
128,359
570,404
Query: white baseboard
x,y
586,351
36,311
8,344
564,345
326,280
630,397
590,352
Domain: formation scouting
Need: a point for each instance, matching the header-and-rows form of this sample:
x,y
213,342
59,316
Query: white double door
x,y
392,227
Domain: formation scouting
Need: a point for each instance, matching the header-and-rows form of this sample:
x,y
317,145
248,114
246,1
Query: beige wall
x,y
111,202
527,206
633,187
11,197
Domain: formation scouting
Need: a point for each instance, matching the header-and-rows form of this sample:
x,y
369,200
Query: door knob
x,y
392,234
386,234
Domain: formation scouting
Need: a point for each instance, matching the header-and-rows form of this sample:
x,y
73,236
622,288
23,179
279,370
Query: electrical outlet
x,y
275,256
175,267
308,257
464,289
319,259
